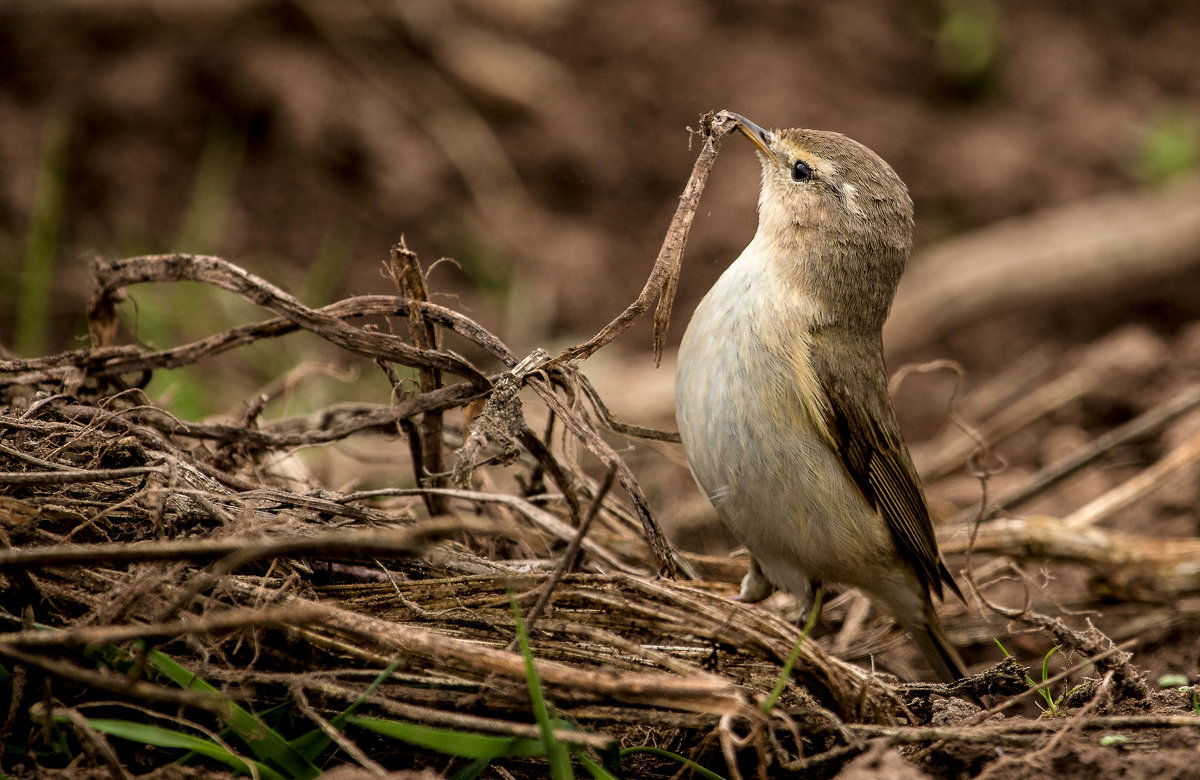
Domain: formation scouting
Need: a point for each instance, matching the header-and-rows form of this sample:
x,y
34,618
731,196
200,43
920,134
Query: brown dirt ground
x,y
543,144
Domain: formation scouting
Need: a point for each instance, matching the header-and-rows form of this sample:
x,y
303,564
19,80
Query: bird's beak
x,y
761,138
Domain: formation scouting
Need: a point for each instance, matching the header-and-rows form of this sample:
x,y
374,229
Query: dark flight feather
x,y
877,460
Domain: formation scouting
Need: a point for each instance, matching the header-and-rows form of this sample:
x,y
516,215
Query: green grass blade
x,y
1044,689
472,770
464,744
556,752
595,770
785,674
1046,663
313,743
340,719
146,734
687,763
266,744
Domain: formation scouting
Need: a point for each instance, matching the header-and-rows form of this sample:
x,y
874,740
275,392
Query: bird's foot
x,y
755,585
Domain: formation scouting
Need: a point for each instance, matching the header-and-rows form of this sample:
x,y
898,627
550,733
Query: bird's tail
x,y
937,649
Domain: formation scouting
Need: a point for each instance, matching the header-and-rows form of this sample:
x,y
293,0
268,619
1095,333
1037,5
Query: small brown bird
x,y
781,391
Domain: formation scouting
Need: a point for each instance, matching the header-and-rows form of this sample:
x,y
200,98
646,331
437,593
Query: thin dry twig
x,y
954,451
570,556
335,735
671,564
95,741
664,276
547,521
1170,565
113,682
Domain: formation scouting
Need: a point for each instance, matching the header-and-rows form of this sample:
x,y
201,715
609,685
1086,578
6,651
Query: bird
x,y
781,391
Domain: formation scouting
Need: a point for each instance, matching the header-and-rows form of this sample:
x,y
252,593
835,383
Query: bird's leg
x,y
812,609
755,585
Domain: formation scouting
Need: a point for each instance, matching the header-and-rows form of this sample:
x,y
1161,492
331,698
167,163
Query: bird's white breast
x,y
749,412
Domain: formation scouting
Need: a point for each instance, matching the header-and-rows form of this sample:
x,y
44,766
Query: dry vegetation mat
x,y
183,588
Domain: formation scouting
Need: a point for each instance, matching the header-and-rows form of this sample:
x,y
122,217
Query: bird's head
x,y
836,218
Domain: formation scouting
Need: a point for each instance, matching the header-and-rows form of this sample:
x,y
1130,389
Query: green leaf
x,y
1113,740
146,734
1170,145
967,42
464,744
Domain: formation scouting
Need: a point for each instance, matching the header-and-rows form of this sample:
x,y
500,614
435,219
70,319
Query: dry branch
x,y
1134,564
547,521
113,362
1020,732
112,277
698,693
356,545
213,623
405,271
322,428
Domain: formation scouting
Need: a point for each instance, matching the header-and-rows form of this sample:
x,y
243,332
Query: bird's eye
x,y
801,171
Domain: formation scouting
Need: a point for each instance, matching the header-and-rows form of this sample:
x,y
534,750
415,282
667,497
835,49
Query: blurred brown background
x,y
541,143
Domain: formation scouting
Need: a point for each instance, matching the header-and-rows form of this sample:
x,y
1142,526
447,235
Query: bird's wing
x,y
862,427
